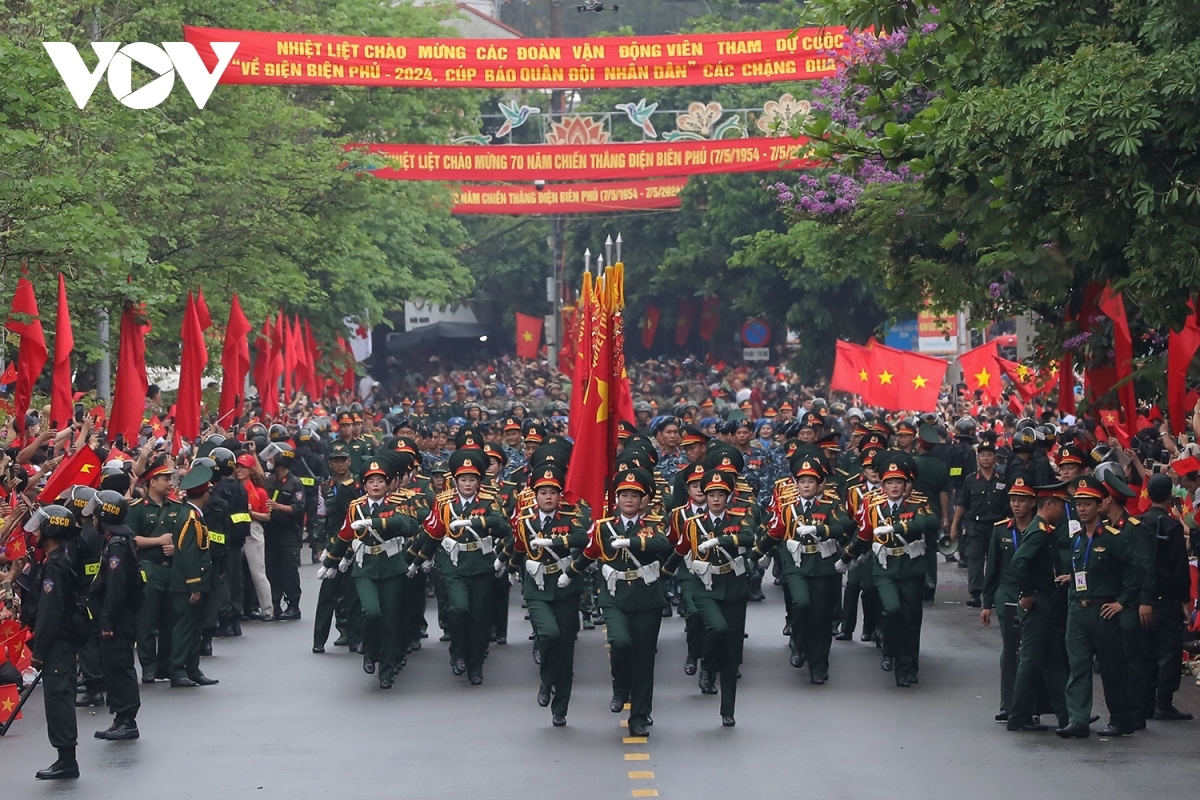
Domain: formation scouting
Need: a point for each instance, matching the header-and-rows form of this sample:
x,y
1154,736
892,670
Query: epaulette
x,y
359,500
137,501
1042,526
918,497
1004,521
1132,521
1115,531
783,482
832,493
876,498
488,493
659,518
739,512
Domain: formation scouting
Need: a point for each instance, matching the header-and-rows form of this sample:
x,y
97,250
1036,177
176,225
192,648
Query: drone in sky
x,y
595,5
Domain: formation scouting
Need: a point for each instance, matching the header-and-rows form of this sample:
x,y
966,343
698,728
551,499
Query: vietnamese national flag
x,y
264,375
191,370
310,352
709,317
853,367
649,325
981,372
64,343
129,394
529,335
83,468
25,321
1022,377
904,381
1181,350
235,363
584,351
1113,305
683,325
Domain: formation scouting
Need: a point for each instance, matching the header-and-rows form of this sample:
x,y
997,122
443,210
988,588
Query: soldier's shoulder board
x,y
1132,521
737,512
918,497
1003,522
1114,530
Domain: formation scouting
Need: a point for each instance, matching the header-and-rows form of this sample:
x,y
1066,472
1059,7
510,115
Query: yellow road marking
x,y
625,707
634,740
641,775
637,756
645,792
624,723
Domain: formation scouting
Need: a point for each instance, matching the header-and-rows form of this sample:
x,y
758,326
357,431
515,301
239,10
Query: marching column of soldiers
x,y
164,561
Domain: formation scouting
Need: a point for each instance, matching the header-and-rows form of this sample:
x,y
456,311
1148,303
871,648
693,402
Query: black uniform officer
x,y
982,502
53,646
285,499
309,469
85,554
115,600
231,494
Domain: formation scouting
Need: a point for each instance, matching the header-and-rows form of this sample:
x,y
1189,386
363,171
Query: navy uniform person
x,y
282,534
931,479
115,599
153,519
310,471
629,548
86,551
812,529
55,636
377,531
232,496
545,541
191,579
981,504
337,597
463,528
1105,582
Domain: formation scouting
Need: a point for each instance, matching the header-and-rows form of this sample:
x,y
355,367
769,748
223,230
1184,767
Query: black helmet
x,y
77,499
223,459
205,461
110,507
966,426
256,429
215,439
115,478
56,522
277,433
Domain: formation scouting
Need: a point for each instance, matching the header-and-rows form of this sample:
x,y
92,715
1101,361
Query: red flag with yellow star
x,y
852,368
981,372
1024,378
81,468
649,325
529,335
904,381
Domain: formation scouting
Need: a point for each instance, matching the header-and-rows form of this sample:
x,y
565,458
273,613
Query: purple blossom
x,y
1007,276
1076,341
995,290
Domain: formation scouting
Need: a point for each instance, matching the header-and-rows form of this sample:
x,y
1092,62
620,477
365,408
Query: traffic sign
x,y
756,332
756,354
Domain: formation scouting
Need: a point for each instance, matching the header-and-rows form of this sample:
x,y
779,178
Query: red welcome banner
x,y
633,61
585,162
570,198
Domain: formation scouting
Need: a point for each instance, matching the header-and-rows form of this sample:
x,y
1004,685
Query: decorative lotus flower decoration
x,y
779,116
577,130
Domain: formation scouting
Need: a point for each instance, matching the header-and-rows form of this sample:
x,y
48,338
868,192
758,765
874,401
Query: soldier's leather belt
x,y
809,549
552,568
723,569
629,575
1095,602
469,547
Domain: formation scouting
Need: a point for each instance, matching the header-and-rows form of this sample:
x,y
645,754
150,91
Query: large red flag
x,y
64,343
129,394
650,325
348,372
202,312
1024,379
581,369
709,317
904,381
267,396
24,321
569,320
235,363
529,335
191,370
853,367
1113,305
301,381
623,397
82,468
683,325
310,350
279,367
287,349
1181,349
981,371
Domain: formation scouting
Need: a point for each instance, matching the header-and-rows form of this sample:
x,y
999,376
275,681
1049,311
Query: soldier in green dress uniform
x,y
546,540
153,519
931,479
191,579
1104,584
629,549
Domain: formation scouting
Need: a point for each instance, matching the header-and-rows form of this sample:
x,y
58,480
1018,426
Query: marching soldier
x,y
629,547
931,479
546,541
464,525
860,578
337,597
191,579
713,548
812,529
677,522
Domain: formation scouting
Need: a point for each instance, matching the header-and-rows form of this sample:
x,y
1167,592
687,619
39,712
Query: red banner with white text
x,y
585,162
715,59
570,198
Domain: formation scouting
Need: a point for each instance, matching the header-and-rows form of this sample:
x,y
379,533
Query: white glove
x,y
324,555
324,573
499,567
459,524
427,566
706,545
542,542
564,581
1074,527
842,567
412,570
514,578
344,565
617,544
806,530
361,525
883,530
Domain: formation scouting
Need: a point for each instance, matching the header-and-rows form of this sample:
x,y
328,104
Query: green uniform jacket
x,y
735,534
648,542
337,496
147,518
911,521
1037,559
360,451
1142,542
570,537
832,524
486,520
999,587
390,521
1111,564
191,568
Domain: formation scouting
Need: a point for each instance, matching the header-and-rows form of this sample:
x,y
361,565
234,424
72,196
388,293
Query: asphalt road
x,y
285,723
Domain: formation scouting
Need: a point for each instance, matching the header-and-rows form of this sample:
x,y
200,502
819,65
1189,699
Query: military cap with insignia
x,y
638,480
872,441
339,449
692,435
725,458
491,451
830,441
1057,491
1070,454
694,472
929,434
469,461
468,438
906,427
715,481
987,441
197,481
812,419
376,466
1089,487
1021,488
808,467
1116,486
159,465
548,475
891,465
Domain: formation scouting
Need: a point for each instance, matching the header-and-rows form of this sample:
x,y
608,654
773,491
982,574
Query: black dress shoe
x,y
385,681
318,648
689,666
559,721
818,680
886,664
638,730
1028,727
1074,730
974,602
292,612
203,680
206,646
183,683
59,770
458,666
707,681
1113,731
844,637
147,678
501,640
796,659
787,629
368,665
903,683
341,641
87,700
649,721
235,628
727,721
543,695
475,678
120,730
1171,713
354,648
617,704
867,636
1139,724
667,611
445,637
1001,716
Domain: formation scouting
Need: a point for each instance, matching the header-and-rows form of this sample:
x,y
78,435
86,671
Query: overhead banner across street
x,y
570,198
460,163
620,61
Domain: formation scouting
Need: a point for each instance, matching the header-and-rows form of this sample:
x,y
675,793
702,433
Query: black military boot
x,y
65,767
